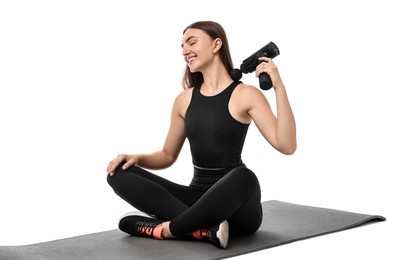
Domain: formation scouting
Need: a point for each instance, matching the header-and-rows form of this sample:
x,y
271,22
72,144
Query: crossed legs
x,y
235,197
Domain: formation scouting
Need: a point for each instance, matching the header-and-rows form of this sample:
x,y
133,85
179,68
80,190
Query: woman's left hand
x,y
269,67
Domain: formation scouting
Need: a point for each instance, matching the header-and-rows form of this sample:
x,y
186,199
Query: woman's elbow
x,y
289,149
169,159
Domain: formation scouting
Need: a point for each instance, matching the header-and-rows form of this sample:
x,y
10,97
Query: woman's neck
x,y
215,80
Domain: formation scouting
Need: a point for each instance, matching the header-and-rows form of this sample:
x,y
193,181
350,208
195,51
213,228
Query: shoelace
x,y
205,233
146,229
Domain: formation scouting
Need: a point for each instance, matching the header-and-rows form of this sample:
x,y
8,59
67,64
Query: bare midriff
x,y
209,169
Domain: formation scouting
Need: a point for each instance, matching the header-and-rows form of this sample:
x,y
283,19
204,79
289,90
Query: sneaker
x,y
136,225
217,235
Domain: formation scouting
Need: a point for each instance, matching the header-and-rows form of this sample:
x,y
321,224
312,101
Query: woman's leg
x,y
236,197
151,193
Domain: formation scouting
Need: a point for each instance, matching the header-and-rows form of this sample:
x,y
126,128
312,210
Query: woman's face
x,y
197,49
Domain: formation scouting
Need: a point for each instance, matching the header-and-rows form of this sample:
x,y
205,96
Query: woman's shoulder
x,y
185,94
247,90
183,98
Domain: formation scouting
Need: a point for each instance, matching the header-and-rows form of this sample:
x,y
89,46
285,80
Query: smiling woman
x,y
214,113
82,81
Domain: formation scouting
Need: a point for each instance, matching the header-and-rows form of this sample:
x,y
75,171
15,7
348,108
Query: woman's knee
x,y
248,219
246,229
112,179
120,176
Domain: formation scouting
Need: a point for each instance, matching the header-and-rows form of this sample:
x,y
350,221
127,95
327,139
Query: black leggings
x,y
213,196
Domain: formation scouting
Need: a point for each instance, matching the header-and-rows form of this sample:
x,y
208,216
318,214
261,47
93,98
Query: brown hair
x,y
214,30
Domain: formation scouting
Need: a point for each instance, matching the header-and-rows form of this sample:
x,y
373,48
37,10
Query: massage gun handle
x,y
265,81
264,78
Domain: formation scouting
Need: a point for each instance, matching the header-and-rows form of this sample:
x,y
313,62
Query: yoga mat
x,y
282,223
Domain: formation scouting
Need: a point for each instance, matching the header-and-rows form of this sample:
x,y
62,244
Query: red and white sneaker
x,y
217,235
136,225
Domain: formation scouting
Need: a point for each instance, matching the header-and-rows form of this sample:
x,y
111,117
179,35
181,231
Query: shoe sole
x,y
223,234
134,213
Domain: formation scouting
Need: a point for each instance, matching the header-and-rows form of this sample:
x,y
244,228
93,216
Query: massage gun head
x,y
249,65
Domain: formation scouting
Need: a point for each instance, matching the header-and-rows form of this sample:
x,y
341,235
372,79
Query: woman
x,y
213,112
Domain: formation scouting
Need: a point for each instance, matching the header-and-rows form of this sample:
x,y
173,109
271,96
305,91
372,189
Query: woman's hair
x,y
214,30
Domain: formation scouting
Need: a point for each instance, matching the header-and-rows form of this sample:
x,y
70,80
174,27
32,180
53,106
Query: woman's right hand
x,y
129,159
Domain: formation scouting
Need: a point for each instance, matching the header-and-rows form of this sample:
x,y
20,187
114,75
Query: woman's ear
x,y
217,43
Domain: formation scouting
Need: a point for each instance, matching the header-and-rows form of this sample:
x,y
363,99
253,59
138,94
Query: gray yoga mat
x,y
282,223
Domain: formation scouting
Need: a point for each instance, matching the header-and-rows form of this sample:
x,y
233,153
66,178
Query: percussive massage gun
x,y
249,65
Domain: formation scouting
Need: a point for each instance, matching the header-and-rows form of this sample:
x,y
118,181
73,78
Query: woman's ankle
x,y
166,233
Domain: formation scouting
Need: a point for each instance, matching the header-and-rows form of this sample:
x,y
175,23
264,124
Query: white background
x,y
82,81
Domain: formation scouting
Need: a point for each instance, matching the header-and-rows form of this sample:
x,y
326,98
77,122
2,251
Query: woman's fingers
x,y
129,163
114,164
266,66
129,160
